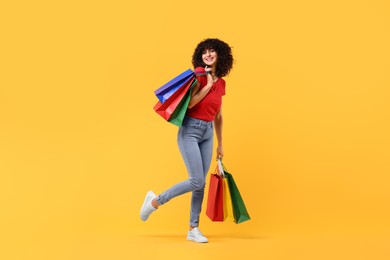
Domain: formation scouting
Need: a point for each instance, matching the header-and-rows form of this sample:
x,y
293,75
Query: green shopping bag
x,y
181,109
239,210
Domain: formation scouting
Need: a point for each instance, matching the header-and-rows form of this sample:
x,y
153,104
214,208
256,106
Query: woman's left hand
x,y
220,153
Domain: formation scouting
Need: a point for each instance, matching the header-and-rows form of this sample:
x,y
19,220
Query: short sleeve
x,y
223,90
199,71
202,80
201,76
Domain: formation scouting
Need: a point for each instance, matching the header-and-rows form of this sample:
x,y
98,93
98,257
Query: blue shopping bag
x,y
169,88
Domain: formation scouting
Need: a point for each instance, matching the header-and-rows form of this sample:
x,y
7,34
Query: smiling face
x,y
213,53
209,57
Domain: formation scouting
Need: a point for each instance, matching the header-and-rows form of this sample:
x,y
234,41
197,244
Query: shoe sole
x,y
191,239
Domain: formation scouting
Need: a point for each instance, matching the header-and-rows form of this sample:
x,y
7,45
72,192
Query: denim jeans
x,y
195,140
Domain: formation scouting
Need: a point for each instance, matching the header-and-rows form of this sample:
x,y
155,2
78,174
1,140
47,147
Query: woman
x,y
212,60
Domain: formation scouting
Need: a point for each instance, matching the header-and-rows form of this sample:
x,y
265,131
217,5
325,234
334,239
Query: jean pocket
x,y
194,125
191,124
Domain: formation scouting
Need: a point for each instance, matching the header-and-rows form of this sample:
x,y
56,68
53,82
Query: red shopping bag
x,y
215,198
167,108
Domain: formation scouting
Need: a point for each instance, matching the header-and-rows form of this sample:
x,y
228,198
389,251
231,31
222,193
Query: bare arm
x,y
198,95
218,124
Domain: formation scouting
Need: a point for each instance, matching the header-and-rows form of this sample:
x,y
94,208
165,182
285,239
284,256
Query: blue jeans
x,y
195,139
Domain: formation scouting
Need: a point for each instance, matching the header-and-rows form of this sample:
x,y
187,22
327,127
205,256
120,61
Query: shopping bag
x,y
168,89
178,115
227,202
214,208
167,108
239,209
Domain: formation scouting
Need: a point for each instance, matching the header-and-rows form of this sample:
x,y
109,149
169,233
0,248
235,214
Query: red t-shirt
x,y
209,106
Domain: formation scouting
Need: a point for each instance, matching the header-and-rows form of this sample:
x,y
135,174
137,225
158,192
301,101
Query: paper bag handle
x,y
220,168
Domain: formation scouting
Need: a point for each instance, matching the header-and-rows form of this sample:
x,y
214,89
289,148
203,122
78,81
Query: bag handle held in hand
x,y
220,168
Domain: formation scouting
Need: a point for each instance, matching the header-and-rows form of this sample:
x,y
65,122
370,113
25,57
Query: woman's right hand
x,y
209,76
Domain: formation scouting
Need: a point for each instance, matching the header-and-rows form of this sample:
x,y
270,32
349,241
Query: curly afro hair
x,y
224,52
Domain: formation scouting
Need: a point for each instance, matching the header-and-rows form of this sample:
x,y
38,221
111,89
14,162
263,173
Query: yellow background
x,y
306,128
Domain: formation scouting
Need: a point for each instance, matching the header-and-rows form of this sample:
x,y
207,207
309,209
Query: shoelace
x,y
197,233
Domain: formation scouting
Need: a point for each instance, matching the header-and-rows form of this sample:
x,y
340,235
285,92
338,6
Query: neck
x,y
213,68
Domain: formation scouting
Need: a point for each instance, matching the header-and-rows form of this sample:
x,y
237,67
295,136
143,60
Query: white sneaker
x,y
196,236
147,207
